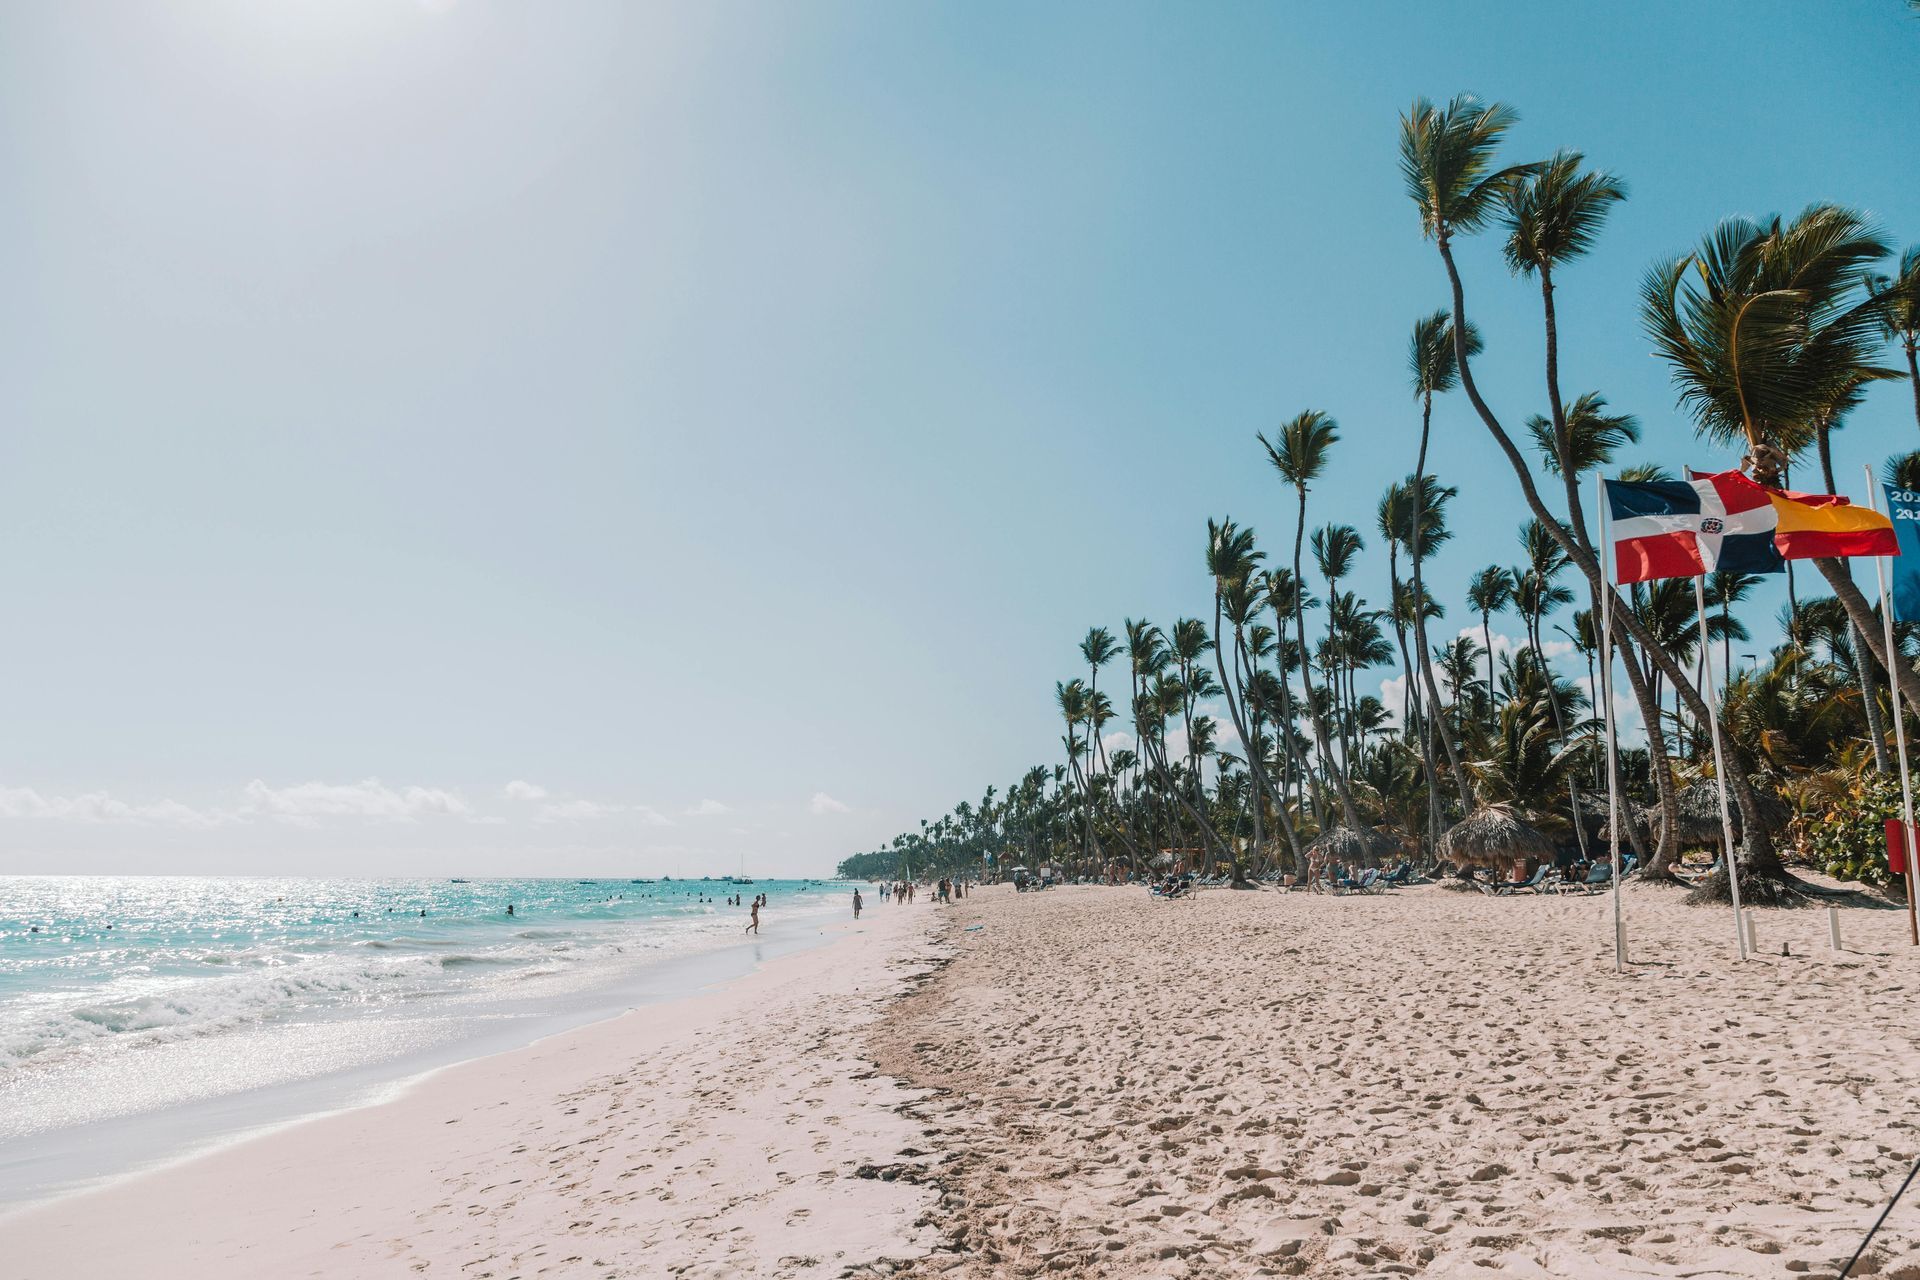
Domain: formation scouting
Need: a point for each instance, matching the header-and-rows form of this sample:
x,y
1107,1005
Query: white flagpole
x,y
1899,725
1719,763
1605,693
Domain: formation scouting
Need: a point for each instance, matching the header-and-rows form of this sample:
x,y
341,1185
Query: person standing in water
x,y
753,925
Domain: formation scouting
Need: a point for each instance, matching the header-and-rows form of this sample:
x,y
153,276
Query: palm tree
x,y
1591,436
1767,330
1489,592
1435,369
1305,441
1899,299
1553,215
1724,590
1447,156
1416,516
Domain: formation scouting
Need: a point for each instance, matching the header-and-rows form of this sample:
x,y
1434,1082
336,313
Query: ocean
x,y
145,1016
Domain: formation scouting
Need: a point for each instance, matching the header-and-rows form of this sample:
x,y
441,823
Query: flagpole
x,y
1606,695
1899,725
1719,762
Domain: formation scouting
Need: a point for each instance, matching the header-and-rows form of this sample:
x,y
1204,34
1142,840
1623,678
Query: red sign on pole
x,y
1896,846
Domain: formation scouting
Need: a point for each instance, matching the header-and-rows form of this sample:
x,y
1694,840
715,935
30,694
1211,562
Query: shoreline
x,y
43,1167
736,1113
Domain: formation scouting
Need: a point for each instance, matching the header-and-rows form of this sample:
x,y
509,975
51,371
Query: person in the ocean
x,y
509,908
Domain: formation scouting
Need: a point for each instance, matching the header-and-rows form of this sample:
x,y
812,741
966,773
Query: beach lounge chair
x,y
1364,884
1531,884
1399,876
1598,878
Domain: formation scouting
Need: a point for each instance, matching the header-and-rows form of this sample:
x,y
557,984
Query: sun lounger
x,y
1365,884
1598,878
1532,883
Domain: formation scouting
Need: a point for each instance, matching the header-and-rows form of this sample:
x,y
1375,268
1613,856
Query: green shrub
x,y
1848,840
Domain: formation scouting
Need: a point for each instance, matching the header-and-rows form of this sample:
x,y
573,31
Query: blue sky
x,y
469,437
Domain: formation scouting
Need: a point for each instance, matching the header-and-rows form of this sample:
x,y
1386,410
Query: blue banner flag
x,y
1904,506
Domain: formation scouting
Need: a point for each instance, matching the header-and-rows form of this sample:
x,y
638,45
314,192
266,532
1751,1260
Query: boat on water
x,y
639,882
458,880
739,880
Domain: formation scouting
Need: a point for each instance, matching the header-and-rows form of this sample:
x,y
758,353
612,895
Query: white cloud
x,y
519,790
576,810
707,809
822,803
98,806
373,799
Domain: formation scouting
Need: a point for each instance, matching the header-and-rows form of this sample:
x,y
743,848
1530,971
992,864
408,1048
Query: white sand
x,y
1421,1083
720,1135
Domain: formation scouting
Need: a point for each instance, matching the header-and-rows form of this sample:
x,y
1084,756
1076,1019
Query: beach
x,y
1424,1082
1090,1082
720,1134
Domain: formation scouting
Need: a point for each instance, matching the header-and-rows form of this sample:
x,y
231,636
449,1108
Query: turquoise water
x,y
122,996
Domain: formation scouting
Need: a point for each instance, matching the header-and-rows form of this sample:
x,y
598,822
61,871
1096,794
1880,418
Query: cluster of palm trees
x,y
1247,736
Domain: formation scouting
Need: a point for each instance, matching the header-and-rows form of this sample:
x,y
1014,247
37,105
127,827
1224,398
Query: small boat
x,y
458,880
639,882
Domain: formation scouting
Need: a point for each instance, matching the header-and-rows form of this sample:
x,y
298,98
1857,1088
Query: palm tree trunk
x,y
1869,687
1913,372
1420,614
1337,776
1758,857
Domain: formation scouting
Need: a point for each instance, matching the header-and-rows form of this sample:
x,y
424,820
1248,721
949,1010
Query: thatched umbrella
x,y
1699,809
1641,818
1492,837
1355,846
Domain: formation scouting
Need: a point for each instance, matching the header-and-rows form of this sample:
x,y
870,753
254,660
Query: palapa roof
x,y
1637,817
1699,809
1354,844
1492,836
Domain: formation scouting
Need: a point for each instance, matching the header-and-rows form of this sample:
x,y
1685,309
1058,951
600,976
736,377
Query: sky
x,y
604,438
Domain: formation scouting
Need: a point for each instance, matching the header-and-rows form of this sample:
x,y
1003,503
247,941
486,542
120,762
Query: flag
x,y
1727,522
1684,528
1904,506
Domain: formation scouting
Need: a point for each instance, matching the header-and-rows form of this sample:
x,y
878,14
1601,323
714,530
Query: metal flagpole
x,y
1719,764
1606,694
1899,725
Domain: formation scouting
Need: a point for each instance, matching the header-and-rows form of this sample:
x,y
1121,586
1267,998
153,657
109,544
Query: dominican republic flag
x,y
1729,523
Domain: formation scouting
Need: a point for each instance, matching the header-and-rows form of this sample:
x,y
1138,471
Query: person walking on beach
x,y
753,925
856,904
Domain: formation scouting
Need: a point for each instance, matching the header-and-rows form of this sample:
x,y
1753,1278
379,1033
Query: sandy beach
x,y
735,1132
1418,1083
1088,1082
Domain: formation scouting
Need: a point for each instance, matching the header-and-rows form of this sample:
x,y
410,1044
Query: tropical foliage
x,y
1236,738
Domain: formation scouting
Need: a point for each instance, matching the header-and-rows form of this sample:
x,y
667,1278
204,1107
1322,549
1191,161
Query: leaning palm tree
x,y
1435,369
1553,215
1448,158
1766,327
